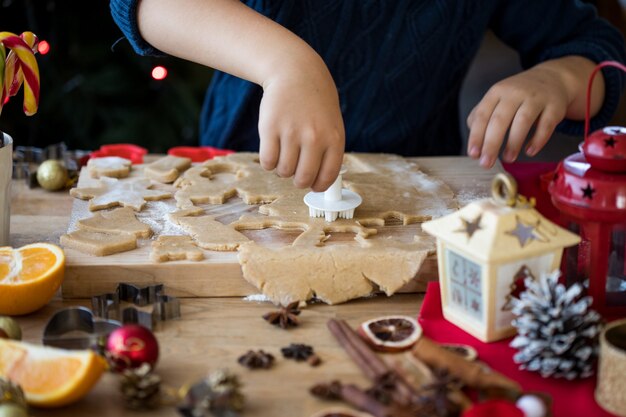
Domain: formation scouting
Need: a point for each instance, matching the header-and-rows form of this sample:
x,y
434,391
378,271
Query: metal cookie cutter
x,y
159,307
77,328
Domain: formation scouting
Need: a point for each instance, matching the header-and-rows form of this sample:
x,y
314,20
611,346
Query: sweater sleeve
x,y
541,30
124,13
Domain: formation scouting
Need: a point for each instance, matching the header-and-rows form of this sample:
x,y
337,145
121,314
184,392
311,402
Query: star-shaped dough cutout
x,y
112,193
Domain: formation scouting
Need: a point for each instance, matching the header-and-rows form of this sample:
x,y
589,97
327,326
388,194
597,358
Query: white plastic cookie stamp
x,y
336,202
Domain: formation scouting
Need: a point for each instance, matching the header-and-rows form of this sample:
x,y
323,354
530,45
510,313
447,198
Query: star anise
x,y
439,390
256,360
383,388
301,352
330,391
285,317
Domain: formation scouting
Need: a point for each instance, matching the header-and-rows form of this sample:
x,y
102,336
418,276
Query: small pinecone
x,y
11,393
557,331
140,388
219,395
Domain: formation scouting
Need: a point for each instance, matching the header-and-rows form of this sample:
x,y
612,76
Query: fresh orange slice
x,y
50,377
29,277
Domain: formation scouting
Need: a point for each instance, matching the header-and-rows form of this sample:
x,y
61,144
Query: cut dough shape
x,y
175,248
392,189
112,192
99,244
333,261
207,232
333,274
120,220
109,166
289,212
411,198
414,197
166,169
253,184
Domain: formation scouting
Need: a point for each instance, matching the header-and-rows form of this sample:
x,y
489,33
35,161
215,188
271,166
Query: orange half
x,y
50,377
29,277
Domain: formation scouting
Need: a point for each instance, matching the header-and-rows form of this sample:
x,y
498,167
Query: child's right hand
x,y
301,127
300,123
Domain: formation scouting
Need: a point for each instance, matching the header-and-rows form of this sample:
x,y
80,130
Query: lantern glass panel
x,y
511,277
576,260
616,277
465,289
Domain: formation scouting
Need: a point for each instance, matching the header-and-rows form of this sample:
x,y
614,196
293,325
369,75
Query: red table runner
x,y
570,398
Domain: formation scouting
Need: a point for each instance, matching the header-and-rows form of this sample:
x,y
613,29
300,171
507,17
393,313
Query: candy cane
x,y
3,55
21,67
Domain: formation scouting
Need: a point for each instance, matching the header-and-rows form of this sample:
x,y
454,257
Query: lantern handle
x,y
598,67
504,189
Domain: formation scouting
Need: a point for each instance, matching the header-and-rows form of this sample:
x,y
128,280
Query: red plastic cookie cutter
x,y
123,150
198,153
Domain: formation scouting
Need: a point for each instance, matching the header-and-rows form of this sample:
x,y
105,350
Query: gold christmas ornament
x,y
52,175
9,328
12,400
12,410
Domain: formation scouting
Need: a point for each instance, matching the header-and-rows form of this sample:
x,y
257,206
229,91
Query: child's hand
x,y
301,127
535,98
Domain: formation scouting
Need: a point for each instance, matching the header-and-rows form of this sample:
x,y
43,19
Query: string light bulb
x,y
159,72
43,47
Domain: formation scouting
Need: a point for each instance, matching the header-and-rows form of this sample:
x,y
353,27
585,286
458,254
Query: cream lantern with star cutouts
x,y
486,250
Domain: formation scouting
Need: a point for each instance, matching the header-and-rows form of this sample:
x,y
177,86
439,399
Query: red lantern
x,y
589,189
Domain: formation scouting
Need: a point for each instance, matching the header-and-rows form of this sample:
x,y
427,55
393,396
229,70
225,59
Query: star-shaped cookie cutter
x,y
77,328
149,305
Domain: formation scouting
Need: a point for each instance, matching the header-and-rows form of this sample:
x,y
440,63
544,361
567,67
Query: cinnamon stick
x,y
357,398
368,361
371,365
472,374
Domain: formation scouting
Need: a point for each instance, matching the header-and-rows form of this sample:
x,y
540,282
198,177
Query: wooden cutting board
x,y
219,275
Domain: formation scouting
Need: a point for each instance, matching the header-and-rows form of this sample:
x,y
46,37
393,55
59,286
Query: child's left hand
x,y
538,98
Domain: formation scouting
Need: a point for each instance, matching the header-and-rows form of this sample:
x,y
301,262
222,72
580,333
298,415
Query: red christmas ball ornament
x,y
494,408
131,346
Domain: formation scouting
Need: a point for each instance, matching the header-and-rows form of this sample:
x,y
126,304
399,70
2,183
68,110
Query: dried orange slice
x,y
50,377
391,333
29,277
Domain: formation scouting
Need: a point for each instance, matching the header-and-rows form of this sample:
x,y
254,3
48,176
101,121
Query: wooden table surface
x,y
214,332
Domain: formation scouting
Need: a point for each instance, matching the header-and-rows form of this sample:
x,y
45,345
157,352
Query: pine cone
x,y
557,331
12,393
219,395
140,388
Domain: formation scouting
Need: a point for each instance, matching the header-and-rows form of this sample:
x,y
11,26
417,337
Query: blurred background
x,y
95,90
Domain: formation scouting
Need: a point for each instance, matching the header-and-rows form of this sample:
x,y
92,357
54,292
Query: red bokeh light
x,y
43,47
159,72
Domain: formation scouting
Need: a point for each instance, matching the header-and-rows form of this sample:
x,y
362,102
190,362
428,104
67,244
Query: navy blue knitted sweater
x,y
399,64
